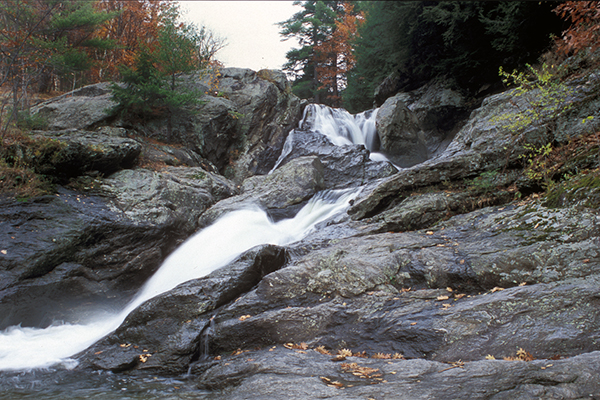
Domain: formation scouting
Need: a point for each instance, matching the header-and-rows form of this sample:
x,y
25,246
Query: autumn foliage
x,y
58,45
135,25
334,56
584,31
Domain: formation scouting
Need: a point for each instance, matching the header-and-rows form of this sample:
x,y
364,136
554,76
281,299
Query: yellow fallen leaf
x,y
429,233
244,317
3,251
413,323
449,289
345,353
441,298
490,357
497,289
522,283
322,350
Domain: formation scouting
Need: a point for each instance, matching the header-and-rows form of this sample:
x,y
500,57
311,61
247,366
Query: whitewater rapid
x,y
209,249
341,128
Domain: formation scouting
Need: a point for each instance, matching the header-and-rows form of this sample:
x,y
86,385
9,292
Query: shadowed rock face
x,y
452,280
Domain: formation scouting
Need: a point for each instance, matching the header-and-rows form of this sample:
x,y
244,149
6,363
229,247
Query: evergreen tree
x,y
462,42
151,86
41,41
311,26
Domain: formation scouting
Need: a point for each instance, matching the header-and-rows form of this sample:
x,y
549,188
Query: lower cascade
x,y
209,249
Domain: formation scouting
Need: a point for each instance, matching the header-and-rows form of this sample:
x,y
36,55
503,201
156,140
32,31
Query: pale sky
x,y
248,27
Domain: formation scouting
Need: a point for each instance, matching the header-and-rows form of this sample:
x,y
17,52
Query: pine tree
x,y
462,42
151,86
43,41
335,56
311,27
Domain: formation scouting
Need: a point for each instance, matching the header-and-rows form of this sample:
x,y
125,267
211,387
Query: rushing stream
x,y
209,249
212,248
35,360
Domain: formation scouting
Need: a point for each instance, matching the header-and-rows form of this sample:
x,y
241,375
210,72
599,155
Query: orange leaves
x,y
134,27
361,372
522,355
334,56
585,25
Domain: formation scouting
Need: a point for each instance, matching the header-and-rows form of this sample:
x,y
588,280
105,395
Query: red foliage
x,y
584,31
334,56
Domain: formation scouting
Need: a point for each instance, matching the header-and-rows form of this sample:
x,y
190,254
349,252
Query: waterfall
x,y
207,250
340,127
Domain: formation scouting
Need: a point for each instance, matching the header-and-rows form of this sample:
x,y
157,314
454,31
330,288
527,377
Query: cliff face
x,y
434,271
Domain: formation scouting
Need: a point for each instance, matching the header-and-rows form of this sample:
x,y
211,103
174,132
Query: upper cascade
x,y
341,127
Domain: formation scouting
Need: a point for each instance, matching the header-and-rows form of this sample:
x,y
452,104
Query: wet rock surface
x,y
421,290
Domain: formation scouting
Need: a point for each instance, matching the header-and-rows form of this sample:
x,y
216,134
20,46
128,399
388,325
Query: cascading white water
x,y
206,251
341,127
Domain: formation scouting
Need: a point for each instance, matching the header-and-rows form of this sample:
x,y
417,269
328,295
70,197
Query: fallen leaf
x,y
413,323
397,356
449,289
345,352
381,356
440,245
490,357
331,383
459,296
323,350
361,372
522,283
99,352
429,233
125,345
446,306
462,261
393,372
143,358
441,298
3,251
338,358
244,317
524,355
362,354
217,358
497,289
587,260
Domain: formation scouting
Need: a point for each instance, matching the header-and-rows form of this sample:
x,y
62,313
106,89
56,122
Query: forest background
x,y
346,50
